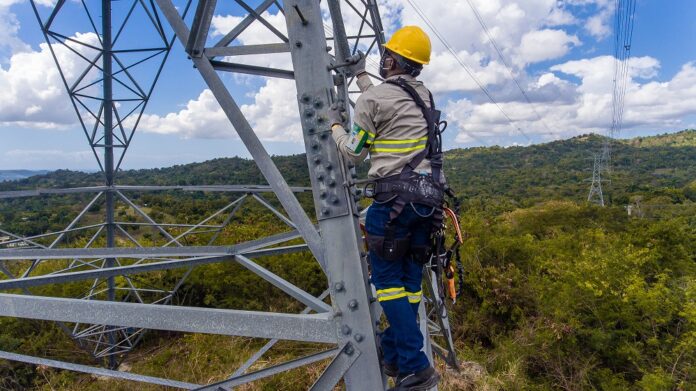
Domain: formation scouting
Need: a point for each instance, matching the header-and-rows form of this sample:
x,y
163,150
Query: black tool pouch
x,y
421,254
389,247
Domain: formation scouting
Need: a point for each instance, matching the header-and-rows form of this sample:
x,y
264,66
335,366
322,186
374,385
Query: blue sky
x,y
559,51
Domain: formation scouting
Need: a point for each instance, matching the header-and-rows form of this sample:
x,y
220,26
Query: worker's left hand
x,y
337,113
357,62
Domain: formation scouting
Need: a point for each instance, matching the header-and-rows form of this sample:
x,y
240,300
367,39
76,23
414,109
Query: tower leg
x,y
338,218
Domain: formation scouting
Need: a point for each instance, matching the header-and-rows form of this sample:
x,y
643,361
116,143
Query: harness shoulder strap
x,y
432,148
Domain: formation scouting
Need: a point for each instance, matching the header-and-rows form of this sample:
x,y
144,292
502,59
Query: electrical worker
x,y
396,123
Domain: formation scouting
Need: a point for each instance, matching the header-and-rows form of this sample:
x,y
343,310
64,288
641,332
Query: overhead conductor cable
x,y
454,54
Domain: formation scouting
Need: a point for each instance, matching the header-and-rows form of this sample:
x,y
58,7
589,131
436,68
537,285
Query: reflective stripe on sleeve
x,y
391,294
414,297
396,146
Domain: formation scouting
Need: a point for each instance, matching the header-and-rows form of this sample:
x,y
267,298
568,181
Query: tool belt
x,y
412,188
420,189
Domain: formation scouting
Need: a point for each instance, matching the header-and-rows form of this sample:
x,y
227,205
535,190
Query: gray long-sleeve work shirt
x,y
388,125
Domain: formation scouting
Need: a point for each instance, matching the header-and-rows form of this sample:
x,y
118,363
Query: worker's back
x,y
395,124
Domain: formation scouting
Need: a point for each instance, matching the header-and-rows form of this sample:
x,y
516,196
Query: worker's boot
x,y
419,381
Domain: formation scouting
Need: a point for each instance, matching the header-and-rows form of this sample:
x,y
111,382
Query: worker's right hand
x,y
357,62
337,114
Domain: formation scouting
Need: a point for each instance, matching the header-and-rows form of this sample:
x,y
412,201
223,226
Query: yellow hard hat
x,y
411,42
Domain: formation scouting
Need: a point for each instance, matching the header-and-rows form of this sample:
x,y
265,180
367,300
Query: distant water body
x,y
15,175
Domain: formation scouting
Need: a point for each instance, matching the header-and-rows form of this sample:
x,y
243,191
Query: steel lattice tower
x,y
109,95
596,195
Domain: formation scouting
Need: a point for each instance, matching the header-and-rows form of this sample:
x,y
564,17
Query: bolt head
x,y
346,330
359,337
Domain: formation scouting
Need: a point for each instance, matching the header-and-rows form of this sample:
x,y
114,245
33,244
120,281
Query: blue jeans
x,y
399,284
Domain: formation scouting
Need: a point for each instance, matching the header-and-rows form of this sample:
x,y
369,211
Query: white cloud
x,y
547,44
255,34
32,93
560,17
598,25
445,74
201,118
585,106
273,115
9,27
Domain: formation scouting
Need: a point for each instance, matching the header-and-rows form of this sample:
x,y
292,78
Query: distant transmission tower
x,y
596,195
109,90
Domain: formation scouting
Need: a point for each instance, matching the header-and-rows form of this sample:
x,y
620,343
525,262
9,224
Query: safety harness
x,y
411,187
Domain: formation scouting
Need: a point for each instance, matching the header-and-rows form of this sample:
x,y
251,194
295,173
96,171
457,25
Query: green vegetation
x,y
559,294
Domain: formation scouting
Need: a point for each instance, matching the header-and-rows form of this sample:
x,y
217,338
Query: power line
x,y
623,36
507,66
625,13
454,54
329,30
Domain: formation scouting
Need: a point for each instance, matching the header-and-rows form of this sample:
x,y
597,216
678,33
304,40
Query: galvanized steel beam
x,y
336,369
96,371
242,50
199,27
284,285
265,348
338,223
246,22
270,371
251,141
308,328
146,252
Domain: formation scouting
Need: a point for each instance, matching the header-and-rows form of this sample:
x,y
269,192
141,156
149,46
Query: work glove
x,y
357,63
337,114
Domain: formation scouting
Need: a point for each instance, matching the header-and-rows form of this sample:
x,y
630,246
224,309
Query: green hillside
x,y
555,170
559,293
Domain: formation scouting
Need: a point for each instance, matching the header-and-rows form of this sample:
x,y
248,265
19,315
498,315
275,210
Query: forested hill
x,y
647,166
556,293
